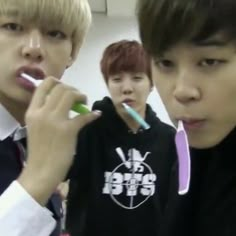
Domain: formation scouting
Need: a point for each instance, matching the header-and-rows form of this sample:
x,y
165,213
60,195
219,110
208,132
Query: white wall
x,y
85,73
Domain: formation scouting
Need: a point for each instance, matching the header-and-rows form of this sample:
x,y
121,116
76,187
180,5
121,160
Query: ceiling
x,y
116,8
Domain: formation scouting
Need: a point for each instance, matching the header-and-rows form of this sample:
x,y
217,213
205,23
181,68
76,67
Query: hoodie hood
x,y
110,114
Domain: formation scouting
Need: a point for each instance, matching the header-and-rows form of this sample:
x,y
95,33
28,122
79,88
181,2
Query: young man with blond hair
x,y
41,38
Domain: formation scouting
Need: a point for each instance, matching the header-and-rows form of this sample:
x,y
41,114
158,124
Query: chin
x,y
205,143
23,99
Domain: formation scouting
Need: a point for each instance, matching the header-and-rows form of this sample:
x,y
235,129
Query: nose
x,y
127,86
186,89
33,47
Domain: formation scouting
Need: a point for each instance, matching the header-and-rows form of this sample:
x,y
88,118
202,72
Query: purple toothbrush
x,y
184,160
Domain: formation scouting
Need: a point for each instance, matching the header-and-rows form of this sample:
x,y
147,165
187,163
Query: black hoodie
x,y
120,179
210,206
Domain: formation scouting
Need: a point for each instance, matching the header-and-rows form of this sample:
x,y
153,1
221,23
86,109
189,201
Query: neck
x,y
130,122
16,109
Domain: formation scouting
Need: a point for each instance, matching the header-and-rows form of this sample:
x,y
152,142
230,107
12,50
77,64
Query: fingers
x,y
42,92
52,102
53,96
67,100
82,120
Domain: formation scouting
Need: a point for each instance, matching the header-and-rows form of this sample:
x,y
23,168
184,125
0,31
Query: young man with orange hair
x,y
120,180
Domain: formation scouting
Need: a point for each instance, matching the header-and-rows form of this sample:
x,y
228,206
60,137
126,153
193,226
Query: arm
x,y
52,138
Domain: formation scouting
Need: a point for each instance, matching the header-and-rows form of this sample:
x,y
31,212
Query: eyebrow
x,y
211,43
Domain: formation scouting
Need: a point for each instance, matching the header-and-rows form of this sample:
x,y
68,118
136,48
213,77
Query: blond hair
x,y
72,15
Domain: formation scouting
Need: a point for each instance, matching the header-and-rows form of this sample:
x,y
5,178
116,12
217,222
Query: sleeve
x,y
21,215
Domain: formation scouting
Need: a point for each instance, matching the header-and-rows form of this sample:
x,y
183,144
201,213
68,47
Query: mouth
x,y
192,123
128,101
35,72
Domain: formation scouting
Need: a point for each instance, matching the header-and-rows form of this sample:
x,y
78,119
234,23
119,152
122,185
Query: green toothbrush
x,y
77,107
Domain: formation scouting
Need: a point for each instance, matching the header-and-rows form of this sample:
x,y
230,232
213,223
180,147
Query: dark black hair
x,y
164,23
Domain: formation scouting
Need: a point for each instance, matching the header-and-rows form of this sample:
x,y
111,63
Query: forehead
x,y
41,12
218,43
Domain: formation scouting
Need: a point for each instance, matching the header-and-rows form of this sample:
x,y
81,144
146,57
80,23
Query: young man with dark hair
x,y
193,48
120,180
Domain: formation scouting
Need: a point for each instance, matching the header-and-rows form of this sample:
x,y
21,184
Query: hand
x,y
52,137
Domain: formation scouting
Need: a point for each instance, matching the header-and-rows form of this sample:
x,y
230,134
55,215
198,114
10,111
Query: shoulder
x,y
91,128
163,128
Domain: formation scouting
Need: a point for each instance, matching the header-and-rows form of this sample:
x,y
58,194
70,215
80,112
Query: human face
x,y
39,50
197,83
130,88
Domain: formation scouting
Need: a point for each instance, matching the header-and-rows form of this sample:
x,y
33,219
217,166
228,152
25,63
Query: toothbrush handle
x,y
80,108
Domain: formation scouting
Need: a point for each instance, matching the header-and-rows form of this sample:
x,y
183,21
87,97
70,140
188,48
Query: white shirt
x,y
20,214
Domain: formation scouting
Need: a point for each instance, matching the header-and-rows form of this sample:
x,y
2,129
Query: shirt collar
x,y
10,126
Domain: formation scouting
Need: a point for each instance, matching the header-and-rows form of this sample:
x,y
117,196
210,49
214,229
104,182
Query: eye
x,y
116,79
137,77
57,34
209,62
13,27
164,63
